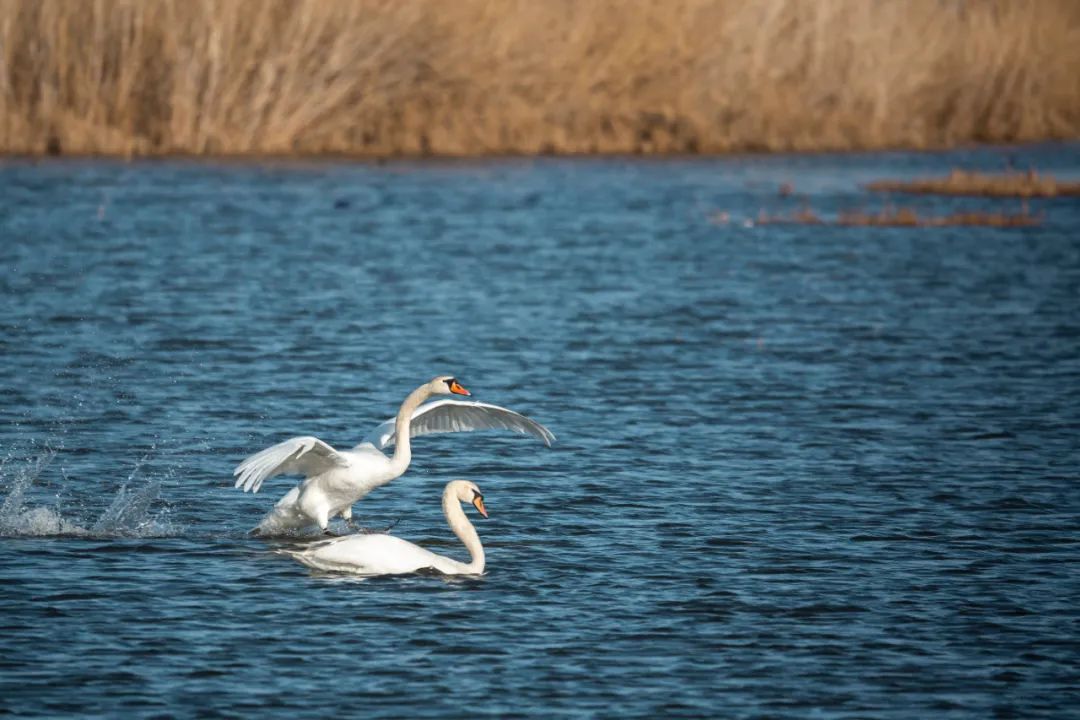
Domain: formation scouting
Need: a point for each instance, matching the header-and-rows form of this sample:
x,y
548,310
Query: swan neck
x,y
402,443
465,531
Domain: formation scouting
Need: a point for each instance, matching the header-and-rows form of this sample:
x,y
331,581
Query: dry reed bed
x,y
958,182
382,77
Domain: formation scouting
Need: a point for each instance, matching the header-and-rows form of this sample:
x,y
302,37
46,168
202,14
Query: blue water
x,y
801,471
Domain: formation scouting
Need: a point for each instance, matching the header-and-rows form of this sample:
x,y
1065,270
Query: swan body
x,y
335,479
388,555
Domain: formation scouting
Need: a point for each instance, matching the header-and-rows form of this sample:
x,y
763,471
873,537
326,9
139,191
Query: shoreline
x,y
447,159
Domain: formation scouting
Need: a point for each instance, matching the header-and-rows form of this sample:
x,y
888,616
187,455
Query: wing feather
x,y
443,416
305,456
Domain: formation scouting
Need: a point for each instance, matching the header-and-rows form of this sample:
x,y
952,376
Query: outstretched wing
x,y
306,456
444,416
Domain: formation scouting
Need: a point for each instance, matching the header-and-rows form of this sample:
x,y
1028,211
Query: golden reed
x,y
476,77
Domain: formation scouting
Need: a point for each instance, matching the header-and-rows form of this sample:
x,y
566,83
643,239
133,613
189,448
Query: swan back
x,y
375,554
380,554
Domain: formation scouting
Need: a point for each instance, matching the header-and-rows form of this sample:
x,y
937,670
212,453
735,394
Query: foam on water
x,y
130,514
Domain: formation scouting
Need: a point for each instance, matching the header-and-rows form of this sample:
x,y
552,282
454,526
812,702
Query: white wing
x,y
304,455
443,416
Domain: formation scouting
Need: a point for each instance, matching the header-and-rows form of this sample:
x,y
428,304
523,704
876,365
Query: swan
x,y
379,554
335,479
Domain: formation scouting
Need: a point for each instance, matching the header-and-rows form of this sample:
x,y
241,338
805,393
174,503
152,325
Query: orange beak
x,y
455,387
478,503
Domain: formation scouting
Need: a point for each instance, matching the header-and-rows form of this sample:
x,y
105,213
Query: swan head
x,y
447,385
467,491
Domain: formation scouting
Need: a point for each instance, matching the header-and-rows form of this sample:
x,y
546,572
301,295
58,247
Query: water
x,y
801,471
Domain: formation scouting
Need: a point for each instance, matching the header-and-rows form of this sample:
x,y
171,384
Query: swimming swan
x,y
389,555
335,479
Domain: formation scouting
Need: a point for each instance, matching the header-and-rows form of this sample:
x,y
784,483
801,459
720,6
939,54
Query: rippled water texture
x,y
801,471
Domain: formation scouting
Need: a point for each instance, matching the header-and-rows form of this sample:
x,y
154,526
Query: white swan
x,y
335,479
380,554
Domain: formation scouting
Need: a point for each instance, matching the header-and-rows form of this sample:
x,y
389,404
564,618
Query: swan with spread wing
x,y
335,479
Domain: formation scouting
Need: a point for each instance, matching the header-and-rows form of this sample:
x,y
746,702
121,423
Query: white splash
x,y
129,515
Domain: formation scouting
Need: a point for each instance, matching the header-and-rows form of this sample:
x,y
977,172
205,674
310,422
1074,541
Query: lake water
x,y
801,471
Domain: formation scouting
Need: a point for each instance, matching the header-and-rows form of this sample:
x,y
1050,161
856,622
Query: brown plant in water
x,y
907,217
901,217
959,182
377,77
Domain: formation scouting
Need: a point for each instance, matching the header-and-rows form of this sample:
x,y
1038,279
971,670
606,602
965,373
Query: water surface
x,y
801,471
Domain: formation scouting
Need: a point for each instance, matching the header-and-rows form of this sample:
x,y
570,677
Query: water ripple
x,y
800,471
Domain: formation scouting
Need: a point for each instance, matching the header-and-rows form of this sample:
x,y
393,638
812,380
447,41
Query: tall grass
x,y
383,77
